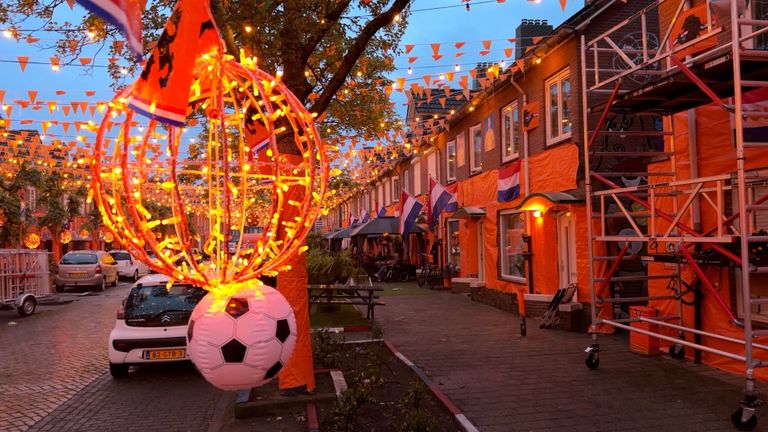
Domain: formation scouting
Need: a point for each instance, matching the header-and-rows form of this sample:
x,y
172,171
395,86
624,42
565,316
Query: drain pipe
x,y
527,238
693,150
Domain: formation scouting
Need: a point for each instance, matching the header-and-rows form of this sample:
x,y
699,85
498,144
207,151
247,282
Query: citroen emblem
x,y
165,319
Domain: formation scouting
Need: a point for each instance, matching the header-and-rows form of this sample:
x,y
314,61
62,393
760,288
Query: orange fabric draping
x,y
554,169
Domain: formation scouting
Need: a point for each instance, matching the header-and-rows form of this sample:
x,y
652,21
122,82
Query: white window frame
x,y
557,80
416,165
511,111
474,164
503,255
450,160
449,245
432,168
396,189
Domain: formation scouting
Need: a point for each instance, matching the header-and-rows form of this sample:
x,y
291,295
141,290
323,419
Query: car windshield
x,y
121,256
148,303
79,258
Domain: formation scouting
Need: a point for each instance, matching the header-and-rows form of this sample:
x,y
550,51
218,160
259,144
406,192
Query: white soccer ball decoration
x,y
244,342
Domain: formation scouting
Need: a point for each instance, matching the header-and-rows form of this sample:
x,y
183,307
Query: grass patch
x,y
335,316
402,289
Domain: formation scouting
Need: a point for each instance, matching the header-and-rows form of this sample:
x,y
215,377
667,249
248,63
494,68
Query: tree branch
x,y
354,52
330,19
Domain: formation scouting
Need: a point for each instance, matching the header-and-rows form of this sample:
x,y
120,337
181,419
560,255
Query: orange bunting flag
x,y
458,54
51,107
31,40
485,52
508,52
435,48
85,61
427,80
90,93
2,96
92,110
55,61
412,59
162,91
71,4
66,110
409,48
458,45
487,44
65,126
449,76
400,83
72,44
562,4
512,40
112,60
32,95
473,73
23,60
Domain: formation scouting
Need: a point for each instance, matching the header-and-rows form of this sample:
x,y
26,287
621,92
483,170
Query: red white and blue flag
x,y
453,203
380,211
410,208
439,198
509,182
123,14
365,217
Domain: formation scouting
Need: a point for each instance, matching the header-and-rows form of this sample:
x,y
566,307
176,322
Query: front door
x,y
480,255
566,249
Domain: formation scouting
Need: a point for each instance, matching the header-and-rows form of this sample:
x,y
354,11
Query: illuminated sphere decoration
x,y
248,343
65,237
249,154
32,241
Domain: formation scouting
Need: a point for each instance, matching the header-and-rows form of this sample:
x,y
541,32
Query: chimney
x,y
482,72
526,31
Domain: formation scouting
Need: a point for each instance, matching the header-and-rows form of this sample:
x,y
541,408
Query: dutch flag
x,y
365,217
410,208
380,211
123,14
439,198
509,182
453,203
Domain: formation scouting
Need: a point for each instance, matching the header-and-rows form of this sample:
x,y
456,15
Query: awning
x,y
468,213
344,233
382,225
536,201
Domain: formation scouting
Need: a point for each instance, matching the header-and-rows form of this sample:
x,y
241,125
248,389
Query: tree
x,y
333,55
59,207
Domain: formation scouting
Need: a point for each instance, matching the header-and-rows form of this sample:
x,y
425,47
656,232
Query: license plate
x,y
165,354
77,274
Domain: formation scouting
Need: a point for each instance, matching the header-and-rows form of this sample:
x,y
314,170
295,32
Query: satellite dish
x,y
635,246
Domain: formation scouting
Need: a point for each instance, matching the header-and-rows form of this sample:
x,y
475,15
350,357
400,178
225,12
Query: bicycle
x,y
426,269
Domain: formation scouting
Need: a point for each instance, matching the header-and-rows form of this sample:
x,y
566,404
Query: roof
x,y
468,213
434,104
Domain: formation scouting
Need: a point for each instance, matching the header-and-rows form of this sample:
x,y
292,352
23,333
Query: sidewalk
x,y
503,382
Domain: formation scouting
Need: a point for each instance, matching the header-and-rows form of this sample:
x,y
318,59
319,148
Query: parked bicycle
x,y
393,272
430,274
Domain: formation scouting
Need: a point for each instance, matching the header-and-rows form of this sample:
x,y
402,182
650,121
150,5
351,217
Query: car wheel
x,y
27,307
136,275
114,282
118,370
103,285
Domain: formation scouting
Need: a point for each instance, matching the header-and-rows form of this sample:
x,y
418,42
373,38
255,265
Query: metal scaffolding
x,y
629,83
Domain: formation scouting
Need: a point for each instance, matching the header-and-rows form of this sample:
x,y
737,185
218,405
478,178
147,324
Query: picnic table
x,y
364,295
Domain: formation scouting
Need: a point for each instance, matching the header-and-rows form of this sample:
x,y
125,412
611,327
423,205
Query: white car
x,y
127,266
151,325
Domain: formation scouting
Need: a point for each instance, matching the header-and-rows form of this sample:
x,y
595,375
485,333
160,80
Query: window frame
x,y
503,255
449,244
512,110
395,186
475,166
558,78
448,162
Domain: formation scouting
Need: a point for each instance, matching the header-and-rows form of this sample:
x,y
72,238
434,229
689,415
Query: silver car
x,y
86,268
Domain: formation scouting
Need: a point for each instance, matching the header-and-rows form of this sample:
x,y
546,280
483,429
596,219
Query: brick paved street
x,y
54,376
503,382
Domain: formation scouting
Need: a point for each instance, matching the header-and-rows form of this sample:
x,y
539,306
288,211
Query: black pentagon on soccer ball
x,y
233,351
273,370
283,330
236,307
190,327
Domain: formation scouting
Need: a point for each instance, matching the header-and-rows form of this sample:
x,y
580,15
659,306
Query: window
x,y
510,132
450,150
476,150
387,194
453,243
416,178
512,260
432,165
461,148
380,195
760,12
558,93
396,189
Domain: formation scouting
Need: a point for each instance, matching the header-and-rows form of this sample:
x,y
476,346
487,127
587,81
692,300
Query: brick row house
x,y
639,143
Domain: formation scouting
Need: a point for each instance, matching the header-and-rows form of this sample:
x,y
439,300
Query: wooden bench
x,y
347,294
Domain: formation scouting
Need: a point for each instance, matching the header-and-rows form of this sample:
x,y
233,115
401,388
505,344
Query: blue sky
x,y
432,21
